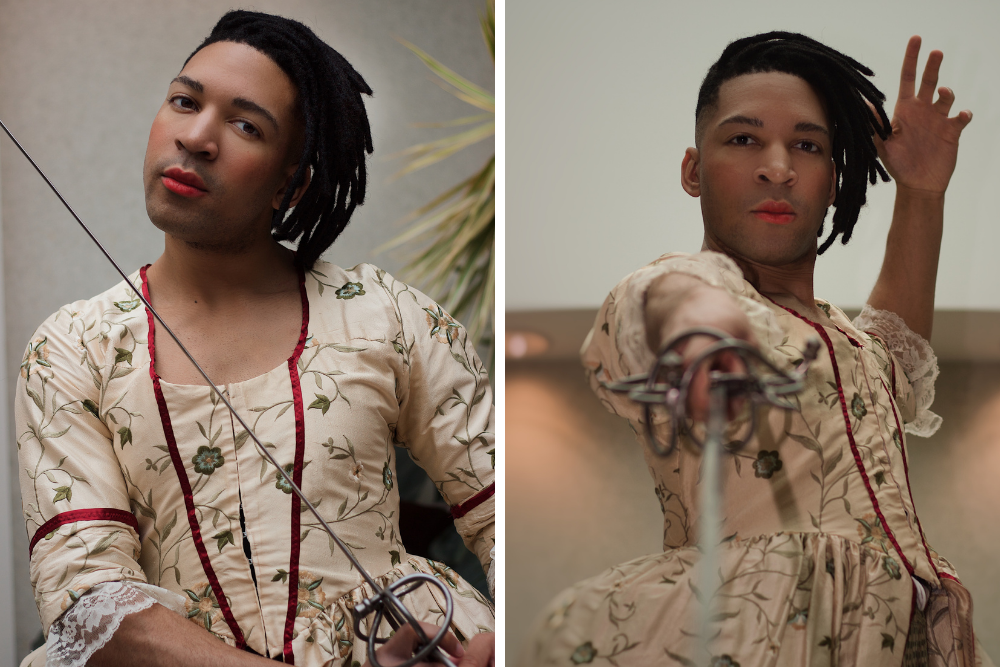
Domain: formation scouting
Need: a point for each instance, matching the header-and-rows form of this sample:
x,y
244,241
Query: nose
x,y
197,136
776,167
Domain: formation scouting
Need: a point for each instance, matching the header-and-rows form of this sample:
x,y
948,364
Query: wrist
x,y
924,196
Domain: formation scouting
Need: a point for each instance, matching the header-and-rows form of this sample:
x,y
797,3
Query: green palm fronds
x,y
456,229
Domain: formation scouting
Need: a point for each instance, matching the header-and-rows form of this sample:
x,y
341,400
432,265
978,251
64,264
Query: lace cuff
x,y
915,357
89,624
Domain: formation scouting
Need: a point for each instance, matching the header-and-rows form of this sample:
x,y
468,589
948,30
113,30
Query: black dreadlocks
x,y
841,83
337,134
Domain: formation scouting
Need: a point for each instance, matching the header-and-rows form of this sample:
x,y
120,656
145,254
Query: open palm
x,y
921,152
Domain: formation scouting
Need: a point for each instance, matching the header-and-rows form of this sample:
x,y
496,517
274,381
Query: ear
x,y
279,196
690,175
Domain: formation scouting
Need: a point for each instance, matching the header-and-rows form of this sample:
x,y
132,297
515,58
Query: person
x,y
823,559
156,527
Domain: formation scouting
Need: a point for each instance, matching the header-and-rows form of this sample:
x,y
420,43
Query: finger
x,y
946,97
928,83
908,76
697,402
963,118
480,651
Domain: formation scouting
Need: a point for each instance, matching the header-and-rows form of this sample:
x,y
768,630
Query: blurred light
x,y
522,344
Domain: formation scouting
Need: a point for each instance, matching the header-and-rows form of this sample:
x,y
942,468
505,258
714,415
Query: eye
x,y
247,128
810,147
183,102
742,140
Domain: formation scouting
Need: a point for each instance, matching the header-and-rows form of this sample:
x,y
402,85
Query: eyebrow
x,y
238,102
740,119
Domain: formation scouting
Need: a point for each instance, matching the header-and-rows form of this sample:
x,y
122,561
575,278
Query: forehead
x,y
770,94
237,70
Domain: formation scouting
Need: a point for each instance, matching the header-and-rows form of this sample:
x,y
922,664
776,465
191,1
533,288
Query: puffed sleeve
x,y
446,418
616,346
914,359
73,494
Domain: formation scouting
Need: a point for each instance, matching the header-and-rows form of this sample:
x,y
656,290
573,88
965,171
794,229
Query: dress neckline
x,y
288,363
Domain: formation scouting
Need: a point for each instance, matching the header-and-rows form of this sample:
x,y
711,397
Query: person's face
x,y
222,148
764,169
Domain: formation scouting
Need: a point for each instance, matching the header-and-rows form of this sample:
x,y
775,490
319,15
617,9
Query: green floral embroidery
x,y
387,476
858,406
201,607
723,661
896,440
441,323
583,654
825,307
891,567
767,464
312,599
207,460
281,483
35,355
350,290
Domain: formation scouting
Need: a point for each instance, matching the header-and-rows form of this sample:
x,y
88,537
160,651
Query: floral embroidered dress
x,y
824,560
134,489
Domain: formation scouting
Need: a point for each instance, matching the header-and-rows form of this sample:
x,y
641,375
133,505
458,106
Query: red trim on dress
x,y
300,452
72,516
182,477
850,432
458,511
906,472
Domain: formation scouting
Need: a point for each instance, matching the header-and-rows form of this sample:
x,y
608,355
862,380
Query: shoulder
x,y
87,318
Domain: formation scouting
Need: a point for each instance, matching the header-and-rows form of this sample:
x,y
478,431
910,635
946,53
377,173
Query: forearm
x,y
907,280
157,637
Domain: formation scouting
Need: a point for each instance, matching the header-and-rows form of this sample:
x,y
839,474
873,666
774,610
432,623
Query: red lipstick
x,y
183,183
775,212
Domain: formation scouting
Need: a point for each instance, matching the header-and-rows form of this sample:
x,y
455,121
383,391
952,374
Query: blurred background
x,y
80,83
600,107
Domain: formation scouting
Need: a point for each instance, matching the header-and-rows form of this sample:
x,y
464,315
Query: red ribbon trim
x,y
906,472
182,477
72,516
850,433
300,452
458,511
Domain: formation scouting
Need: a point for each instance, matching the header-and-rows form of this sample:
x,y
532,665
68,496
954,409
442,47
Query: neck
x,y
212,276
790,284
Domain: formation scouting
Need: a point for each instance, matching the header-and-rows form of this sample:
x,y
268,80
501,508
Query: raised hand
x,y
921,153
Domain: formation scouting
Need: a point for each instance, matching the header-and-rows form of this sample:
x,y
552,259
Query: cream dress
x,y
822,547
133,487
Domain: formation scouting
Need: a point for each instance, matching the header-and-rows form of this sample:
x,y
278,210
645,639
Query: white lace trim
x,y
90,623
915,356
490,578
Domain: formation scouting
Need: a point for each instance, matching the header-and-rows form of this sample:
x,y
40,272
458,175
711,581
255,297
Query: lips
x,y
775,212
183,183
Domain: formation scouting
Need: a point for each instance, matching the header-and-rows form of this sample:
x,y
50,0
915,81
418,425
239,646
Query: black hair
x,y
337,135
842,83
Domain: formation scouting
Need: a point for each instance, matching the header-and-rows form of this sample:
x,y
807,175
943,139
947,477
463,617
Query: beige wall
x,y
80,82
579,497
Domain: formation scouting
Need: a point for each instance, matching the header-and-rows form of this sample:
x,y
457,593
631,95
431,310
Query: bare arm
x,y
158,637
920,155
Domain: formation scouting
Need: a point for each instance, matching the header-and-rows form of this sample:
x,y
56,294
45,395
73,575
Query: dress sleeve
x,y
446,417
73,494
912,354
616,346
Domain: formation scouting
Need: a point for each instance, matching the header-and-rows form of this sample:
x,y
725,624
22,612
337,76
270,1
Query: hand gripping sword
x,y
668,384
386,602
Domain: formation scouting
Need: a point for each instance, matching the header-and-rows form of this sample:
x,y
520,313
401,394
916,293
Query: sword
x,y
668,384
385,603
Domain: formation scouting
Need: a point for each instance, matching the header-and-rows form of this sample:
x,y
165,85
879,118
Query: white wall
x,y
600,109
79,85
